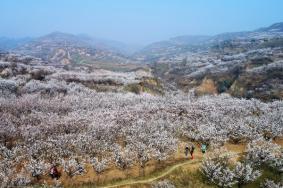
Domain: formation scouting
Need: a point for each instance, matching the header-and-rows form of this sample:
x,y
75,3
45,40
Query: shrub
x,y
163,184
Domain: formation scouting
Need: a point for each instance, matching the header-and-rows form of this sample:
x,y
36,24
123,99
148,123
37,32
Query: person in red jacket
x,y
54,172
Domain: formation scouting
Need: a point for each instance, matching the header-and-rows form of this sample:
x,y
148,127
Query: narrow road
x,y
163,174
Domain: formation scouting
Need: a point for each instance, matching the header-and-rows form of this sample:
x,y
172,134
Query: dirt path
x,y
163,174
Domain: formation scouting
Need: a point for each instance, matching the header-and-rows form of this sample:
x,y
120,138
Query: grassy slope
x,y
179,170
170,167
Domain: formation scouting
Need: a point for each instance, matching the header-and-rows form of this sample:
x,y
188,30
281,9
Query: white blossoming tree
x,y
262,152
124,158
163,184
99,166
72,167
216,170
245,173
271,184
37,168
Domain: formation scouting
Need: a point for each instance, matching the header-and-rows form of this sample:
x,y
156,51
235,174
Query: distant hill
x,y
64,48
170,47
11,43
111,45
277,27
179,47
245,64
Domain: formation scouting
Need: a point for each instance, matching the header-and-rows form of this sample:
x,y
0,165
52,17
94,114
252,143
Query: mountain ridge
x,y
170,46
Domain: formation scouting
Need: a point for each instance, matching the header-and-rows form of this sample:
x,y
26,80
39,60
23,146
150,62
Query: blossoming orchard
x,y
74,129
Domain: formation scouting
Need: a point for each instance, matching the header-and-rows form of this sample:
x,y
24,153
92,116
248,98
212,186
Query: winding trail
x,y
163,174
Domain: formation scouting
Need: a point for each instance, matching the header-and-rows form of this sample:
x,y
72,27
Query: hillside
x,y
244,64
85,123
177,48
7,44
75,114
33,75
62,48
277,27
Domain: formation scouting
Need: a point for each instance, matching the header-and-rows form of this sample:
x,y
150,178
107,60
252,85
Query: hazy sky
x,y
136,21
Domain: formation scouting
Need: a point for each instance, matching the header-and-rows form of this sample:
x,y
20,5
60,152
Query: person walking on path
x,y
187,151
203,148
192,151
54,172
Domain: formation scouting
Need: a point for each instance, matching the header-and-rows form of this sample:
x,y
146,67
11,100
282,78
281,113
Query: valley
x,y
191,111
243,64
